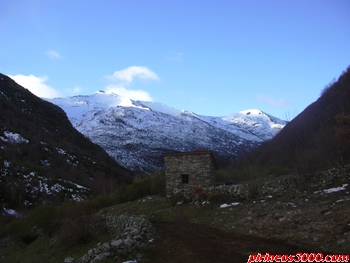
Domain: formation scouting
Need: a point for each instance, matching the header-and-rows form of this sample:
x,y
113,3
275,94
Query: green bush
x,y
248,173
4,221
150,186
43,220
80,224
158,184
46,218
28,238
277,170
240,175
102,200
21,230
17,228
117,195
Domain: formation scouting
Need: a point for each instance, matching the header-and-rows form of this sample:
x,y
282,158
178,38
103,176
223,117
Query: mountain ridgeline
x,y
137,133
317,138
82,144
43,157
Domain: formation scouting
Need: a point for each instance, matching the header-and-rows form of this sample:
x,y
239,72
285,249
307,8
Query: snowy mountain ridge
x,y
136,133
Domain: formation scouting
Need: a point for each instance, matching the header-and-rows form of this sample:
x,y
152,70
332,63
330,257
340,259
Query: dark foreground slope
x,y
310,142
43,157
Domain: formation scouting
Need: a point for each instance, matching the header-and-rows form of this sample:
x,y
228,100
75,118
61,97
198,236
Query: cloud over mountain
x,y
36,85
123,78
129,74
129,93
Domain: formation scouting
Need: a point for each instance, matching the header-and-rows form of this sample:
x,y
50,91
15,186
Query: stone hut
x,y
187,171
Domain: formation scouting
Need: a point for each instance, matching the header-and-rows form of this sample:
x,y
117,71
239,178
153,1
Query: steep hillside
x,y
136,133
43,157
310,142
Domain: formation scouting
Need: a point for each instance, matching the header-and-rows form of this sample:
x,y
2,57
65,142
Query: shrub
x,y
158,184
21,231
102,201
117,196
28,238
248,173
46,218
17,228
4,221
80,224
277,170
154,185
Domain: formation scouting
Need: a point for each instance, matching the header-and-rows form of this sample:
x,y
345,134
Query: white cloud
x,y
129,74
129,93
178,56
36,85
123,78
74,91
272,101
53,54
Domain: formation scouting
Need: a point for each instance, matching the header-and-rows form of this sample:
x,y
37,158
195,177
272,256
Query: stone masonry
x,y
186,171
132,233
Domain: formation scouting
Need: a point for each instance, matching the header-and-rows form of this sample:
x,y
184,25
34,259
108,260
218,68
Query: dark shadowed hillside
x,y
43,157
317,138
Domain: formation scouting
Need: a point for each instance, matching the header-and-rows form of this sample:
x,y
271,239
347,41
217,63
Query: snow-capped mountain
x,y
136,133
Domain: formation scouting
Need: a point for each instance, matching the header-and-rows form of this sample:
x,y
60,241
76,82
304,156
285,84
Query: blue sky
x,y
210,57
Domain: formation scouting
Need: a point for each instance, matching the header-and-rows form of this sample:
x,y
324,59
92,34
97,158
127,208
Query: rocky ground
x,y
319,220
314,221
186,242
224,230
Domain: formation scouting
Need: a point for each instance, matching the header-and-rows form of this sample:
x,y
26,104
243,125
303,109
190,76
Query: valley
x,y
174,131
294,176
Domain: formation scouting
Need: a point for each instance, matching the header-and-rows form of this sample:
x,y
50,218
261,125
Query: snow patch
x,y
332,190
160,107
61,151
11,212
6,164
232,204
335,189
81,187
13,138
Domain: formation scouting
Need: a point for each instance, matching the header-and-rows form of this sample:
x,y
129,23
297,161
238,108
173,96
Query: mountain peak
x,y
136,133
252,112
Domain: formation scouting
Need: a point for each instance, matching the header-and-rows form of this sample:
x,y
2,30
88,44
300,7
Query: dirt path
x,y
182,241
